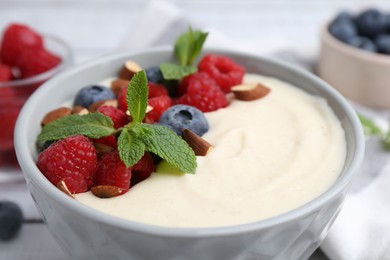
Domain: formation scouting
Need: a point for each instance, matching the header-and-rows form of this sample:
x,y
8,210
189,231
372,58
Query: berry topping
x,y
180,117
72,160
118,117
156,90
34,62
223,70
153,74
371,22
383,43
362,43
11,218
18,38
203,95
343,29
195,77
159,104
113,172
142,169
91,94
5,73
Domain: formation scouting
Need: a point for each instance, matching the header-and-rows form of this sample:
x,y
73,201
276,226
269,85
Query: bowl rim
x,y
32,173
335,43
66,60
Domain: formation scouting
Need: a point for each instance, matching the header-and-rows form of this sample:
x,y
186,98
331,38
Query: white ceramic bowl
x,y
84,233
359,75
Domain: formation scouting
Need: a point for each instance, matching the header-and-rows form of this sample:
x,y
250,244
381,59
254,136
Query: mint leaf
x,y
93,125
137,96
188,46
369,126
174,71
130,148
169,146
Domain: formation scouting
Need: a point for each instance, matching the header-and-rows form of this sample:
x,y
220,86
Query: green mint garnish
x,y
187,48
93,125
369,126
137,97
175,71
135,138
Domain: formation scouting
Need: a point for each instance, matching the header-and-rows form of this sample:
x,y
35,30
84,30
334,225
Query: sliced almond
x,y
148,109
249,92
106,191
110,102
62,186
129,69
79,110
118,85
55,114
200,146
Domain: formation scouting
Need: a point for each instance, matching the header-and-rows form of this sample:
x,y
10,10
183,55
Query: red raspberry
x,y
113,172
34,62
159,104
197,76
5,73
119,118
122,104
18,38
223,70
9,111
72,160
204,96
142,169
107,140
156,90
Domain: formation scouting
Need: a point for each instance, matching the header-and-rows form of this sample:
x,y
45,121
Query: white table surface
x,y
94,28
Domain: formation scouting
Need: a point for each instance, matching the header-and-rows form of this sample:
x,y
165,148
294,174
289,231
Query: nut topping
x,y
249,92
200,146
106,191
129,69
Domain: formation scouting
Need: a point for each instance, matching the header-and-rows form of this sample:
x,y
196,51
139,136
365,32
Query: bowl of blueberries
x,y
355,56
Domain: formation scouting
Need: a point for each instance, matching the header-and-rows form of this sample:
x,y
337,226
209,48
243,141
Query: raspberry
x,y
156,90
18,38
34,62
223,70
142,169
5,73
197,76
72,160
159,104
118,117
122,104
9,111
113,172
107,140
204,96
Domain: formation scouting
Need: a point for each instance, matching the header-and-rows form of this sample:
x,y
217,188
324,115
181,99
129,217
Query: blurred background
x,y
285,29
96,27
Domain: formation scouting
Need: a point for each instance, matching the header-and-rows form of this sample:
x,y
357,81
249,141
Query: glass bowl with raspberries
x,y
27,59
355,56
184,153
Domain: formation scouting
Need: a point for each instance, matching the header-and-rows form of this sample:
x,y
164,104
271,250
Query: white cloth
x,y
362,229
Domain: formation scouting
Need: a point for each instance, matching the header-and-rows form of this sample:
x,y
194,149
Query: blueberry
x,y
181,116
371,23
91,94
343,29
344,16
153,74
383,43
10,219
363,43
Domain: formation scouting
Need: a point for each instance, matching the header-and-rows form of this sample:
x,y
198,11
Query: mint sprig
x,y
369,126
187,48
93,125
135,138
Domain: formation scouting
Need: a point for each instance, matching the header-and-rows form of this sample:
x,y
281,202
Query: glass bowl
x,y
13,95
